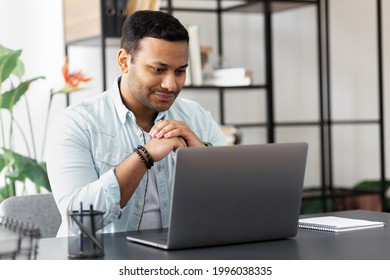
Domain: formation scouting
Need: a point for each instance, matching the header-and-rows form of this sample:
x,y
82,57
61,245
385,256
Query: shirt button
x,y
139,205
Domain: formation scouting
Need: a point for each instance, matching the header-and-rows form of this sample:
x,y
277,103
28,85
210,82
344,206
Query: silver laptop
x,y
232,194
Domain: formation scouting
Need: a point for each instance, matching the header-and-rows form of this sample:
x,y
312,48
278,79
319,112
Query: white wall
x,y
38,31
354,84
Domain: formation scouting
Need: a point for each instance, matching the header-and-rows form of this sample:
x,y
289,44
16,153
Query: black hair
x,y
156,24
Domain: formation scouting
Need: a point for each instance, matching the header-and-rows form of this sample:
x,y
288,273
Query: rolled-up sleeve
x,y
72,172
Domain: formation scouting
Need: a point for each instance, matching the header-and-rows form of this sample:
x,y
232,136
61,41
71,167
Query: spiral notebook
x,y
18,240
337,224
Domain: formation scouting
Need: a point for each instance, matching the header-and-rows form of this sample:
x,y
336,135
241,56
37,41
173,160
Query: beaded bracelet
x,y
148,166
142,148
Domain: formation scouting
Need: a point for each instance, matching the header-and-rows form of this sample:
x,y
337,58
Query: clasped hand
x,y
169,135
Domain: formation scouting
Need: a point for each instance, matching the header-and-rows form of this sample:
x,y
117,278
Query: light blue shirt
x,y
89,139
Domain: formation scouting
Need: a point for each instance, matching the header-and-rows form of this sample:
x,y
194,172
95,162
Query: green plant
x,y
14,166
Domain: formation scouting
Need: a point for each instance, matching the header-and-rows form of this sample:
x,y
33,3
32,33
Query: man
x,y
116,151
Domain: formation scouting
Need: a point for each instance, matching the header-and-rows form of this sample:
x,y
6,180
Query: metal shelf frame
x,y
325,122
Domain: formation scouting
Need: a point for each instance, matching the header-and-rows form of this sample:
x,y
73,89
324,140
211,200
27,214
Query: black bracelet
x,y
142,148
148,166
207,144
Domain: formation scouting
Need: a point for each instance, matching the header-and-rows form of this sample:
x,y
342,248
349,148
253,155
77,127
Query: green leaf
x,y
371,185
4,50
2,162
8,64
19,68
10,98
6,191
15,175
28,168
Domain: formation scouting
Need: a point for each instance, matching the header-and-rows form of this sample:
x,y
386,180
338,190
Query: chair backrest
x,y
37,209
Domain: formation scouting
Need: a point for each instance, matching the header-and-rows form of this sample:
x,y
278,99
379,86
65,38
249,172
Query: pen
x,y
81,235
93,225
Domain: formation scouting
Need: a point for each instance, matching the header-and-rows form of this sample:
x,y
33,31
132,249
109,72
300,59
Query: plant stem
x,y
1,121
23,135
46,124
11,112
37,188
31,127
10,130
11,188
2,128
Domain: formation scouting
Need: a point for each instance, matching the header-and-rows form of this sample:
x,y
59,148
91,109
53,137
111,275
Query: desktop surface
x,y
370,244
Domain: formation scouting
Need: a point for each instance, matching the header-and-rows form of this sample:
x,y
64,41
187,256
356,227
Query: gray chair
x,y
38,209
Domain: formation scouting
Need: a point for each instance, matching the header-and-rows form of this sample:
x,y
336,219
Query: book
x,y
226,82
237,72
337,224
195,59
229,77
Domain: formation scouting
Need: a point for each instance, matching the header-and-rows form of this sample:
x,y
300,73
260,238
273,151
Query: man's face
x,y
156,73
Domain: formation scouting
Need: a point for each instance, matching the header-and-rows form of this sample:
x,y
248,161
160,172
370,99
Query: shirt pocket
x,y
106,160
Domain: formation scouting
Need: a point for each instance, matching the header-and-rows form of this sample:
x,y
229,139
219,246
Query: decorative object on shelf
x,y
72,83
204,53
15,167
370,198
232,134
72,79
195,57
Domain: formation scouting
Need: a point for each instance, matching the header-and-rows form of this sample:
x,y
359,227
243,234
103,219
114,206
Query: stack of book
x,y
198,58
230,77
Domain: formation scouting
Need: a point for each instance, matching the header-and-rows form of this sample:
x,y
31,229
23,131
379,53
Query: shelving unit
x,y
327,191
329,123
267,8
325,122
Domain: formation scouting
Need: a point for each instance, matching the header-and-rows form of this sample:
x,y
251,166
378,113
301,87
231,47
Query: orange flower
x,y
72,80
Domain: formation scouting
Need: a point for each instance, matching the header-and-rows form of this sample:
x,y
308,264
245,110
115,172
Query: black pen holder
x,y
83,241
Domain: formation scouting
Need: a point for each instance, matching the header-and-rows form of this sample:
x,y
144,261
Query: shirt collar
x,y
160,116
122,110
119,106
